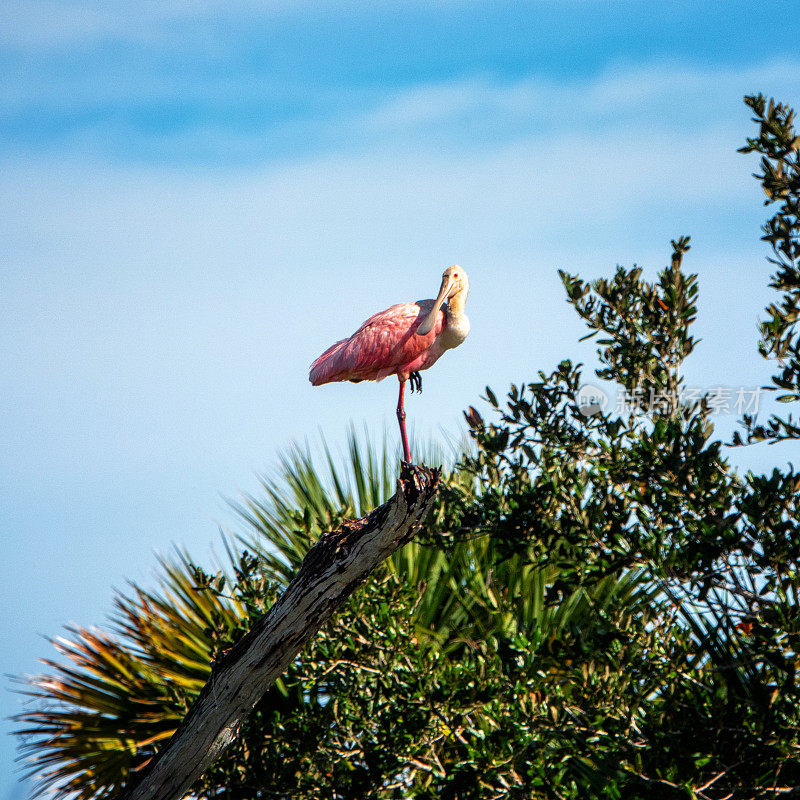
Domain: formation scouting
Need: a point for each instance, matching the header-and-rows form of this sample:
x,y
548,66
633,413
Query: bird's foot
x,y
415,379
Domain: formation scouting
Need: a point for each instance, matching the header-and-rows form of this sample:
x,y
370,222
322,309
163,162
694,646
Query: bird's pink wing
x,y
383,344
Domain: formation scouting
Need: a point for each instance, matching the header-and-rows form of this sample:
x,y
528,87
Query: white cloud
x,y
332,207
59,23
55,23
231,121
664,94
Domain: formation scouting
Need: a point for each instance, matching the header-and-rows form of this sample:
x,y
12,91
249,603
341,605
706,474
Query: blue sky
x,y
197,198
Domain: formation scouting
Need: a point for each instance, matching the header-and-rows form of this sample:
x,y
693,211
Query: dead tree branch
x,y
331,570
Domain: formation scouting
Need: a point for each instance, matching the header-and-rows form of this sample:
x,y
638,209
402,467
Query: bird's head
x,y
454,285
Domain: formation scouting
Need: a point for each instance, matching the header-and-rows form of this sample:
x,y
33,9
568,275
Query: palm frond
x,y
303,499
99,712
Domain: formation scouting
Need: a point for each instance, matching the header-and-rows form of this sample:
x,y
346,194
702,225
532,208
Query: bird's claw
x,y
415,379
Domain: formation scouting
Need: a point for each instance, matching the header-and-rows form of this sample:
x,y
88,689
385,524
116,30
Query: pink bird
x,y
402,340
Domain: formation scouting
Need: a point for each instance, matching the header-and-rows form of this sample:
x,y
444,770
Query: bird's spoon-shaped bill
x,y
444,292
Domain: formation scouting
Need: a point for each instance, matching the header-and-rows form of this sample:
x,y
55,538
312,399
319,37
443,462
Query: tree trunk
x,y
331,570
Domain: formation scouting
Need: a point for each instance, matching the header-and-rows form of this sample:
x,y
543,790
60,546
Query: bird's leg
x,y
401,418
416,382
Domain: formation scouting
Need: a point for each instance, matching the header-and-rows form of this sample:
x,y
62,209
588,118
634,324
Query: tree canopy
x,y
600,605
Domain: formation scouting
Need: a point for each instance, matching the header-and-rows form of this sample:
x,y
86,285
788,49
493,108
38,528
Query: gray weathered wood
x,y
331,570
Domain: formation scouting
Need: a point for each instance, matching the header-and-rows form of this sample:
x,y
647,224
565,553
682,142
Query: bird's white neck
x,y
457,327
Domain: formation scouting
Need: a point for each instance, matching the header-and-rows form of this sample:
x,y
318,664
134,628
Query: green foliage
x,y
599,605
779,145
647,326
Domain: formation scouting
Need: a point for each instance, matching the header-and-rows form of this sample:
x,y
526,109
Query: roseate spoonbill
x,y
402,340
